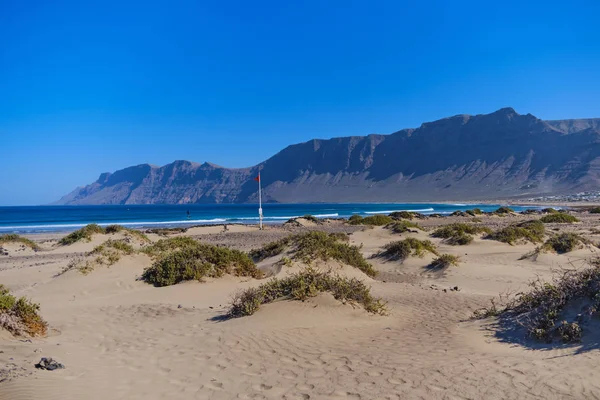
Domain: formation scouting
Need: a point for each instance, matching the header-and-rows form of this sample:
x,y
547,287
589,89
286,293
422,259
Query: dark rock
x,y
48,364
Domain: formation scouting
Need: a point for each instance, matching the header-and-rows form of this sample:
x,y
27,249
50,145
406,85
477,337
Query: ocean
x,y
32,219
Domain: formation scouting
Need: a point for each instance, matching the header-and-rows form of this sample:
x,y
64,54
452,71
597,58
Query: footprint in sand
x,y
303,386
262,387
214,385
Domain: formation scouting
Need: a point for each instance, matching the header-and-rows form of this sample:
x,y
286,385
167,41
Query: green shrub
x,y
376,220
403,226
559,218
444,261
459,213
199,261
460,239
539,309
355,219
595,210
84,233
402,249
13,238
532,231
474,212
402,215
303,285
20,316
459,234
504,211
565,242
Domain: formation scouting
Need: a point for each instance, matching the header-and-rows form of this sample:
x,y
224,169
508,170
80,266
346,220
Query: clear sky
x,y
94,86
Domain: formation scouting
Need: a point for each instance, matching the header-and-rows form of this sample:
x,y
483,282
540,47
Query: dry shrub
x,y
540,310
303,285
20,316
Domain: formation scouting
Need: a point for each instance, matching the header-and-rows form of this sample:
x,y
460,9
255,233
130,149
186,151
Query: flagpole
x,y
260,212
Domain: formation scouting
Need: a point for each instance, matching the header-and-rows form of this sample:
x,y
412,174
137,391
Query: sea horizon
x,y
56,218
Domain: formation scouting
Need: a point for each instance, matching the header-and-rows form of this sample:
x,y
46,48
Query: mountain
x,y
498,155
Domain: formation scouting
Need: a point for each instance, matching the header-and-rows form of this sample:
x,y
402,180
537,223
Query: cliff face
x,y
497,155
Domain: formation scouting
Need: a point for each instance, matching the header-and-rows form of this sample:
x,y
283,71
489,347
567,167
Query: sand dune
x,y
121,338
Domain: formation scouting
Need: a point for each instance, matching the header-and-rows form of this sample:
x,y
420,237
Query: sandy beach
x,y
122,338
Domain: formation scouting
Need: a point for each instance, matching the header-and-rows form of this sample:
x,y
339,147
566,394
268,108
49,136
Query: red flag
x,y
257,179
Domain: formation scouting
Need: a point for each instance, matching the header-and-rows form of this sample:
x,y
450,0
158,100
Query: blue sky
x,y
88,87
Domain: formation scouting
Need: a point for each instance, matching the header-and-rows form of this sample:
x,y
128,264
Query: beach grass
x,y
303,285
84,233
541,310
443,262
459,234
402,249
311,246
14,238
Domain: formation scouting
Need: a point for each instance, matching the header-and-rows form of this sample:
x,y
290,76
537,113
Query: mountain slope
x,y
497,155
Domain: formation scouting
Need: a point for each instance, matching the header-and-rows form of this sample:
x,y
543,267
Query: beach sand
x,y
121,338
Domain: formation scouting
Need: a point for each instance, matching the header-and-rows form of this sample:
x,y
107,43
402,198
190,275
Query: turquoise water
x,y
67,218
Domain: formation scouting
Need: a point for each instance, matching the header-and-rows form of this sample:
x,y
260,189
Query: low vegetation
x,y
403,226
373,220
20,316
549,210
565,242
311,218
88,231
542,310
303,285
402,249
443,262
558,218
107,254
13,238
166,231
133,232
595,210
197,261
402,215
311,246
459,234
503,211
84,233
474,212
529,231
